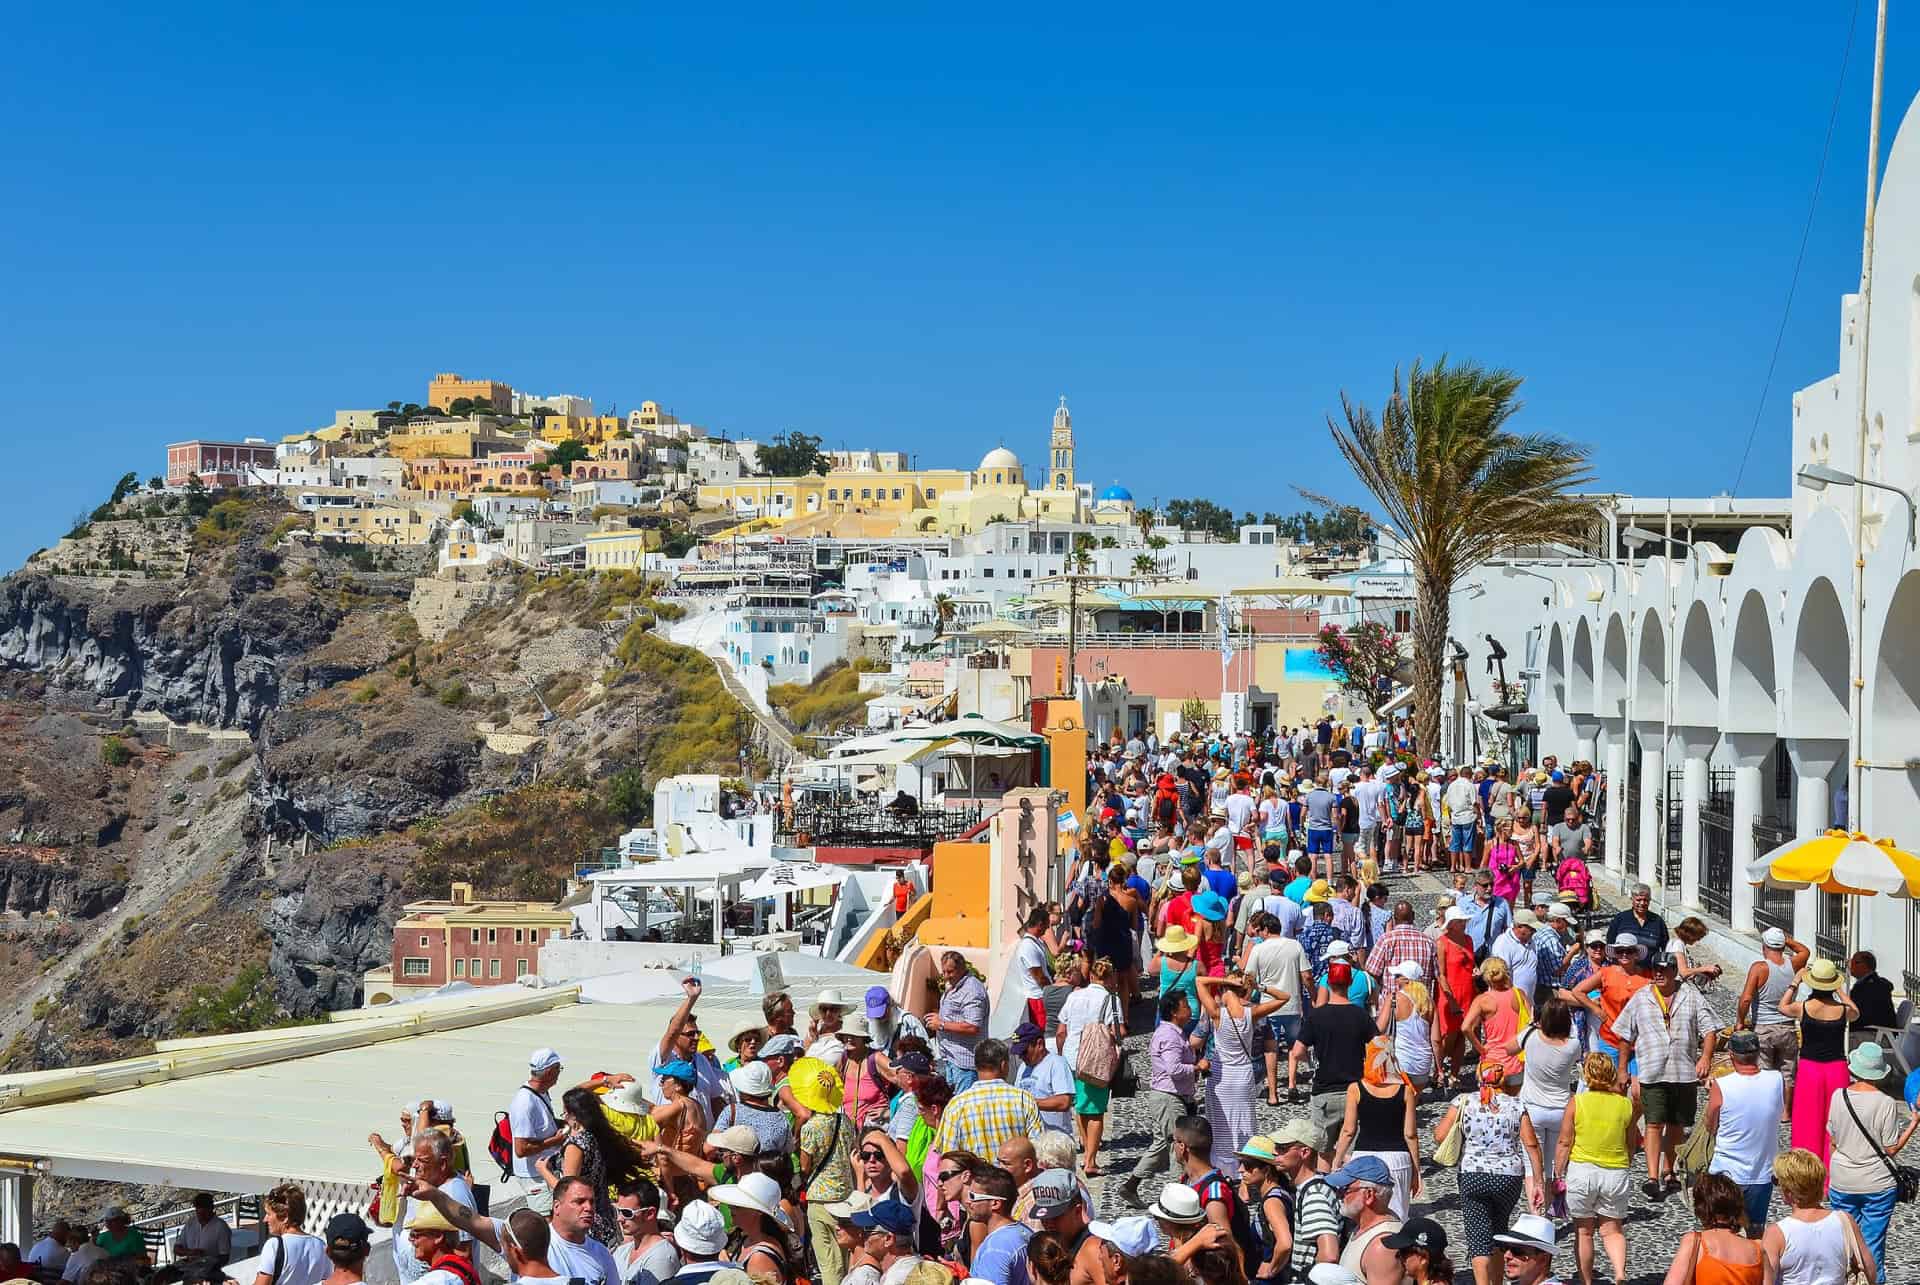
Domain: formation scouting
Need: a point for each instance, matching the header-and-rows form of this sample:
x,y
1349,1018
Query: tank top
x,y
1600,1130
1357,1247
1815,1252
1710,1270
1499,1026
1550,1072
1749,1135
1413,1044
1823,1039
1766,1001
1381,1122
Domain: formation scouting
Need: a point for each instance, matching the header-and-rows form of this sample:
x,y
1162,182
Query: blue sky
x,y
914,233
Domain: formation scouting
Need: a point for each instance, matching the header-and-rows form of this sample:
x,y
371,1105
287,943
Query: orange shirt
x,y
1617,986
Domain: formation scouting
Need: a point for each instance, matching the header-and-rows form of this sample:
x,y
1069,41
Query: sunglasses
x,y
878,1155
624,1214
948,1175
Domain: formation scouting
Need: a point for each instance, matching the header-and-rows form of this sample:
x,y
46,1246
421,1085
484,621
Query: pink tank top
x,y
1498,1028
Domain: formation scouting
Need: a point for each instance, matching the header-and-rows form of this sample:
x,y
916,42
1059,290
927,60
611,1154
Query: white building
x,y
587,496
781,632
553,404
713,460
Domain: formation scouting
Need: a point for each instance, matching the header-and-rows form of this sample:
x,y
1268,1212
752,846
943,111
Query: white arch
x,y
1751,680
1556,668
1650,669
1697,693
1613,669
1820,645
1580,692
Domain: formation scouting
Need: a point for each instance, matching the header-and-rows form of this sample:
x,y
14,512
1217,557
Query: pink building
x,y
216,463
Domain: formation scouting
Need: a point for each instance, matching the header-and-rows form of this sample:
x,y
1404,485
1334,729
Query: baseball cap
x,y
1053,1193
1132,1236
782,1046
889,1215
1418,1233
855,1203
1744,1044
1525,919
1559,910
915,1063
1371,1170
543,1060
879,1001
1598,937
1296,1133
349,1231
737,1138
1627,941
1279,876
1773,939
1025,1034
1662,960
679,1069
1407,970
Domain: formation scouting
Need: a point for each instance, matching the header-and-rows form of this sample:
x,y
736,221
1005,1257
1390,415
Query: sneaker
x,y
1653,1189
1128,1192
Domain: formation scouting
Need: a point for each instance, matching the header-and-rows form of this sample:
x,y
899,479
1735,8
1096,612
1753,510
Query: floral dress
x,y
593,1167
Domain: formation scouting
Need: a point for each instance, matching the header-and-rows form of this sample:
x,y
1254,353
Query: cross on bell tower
x,y
1060,451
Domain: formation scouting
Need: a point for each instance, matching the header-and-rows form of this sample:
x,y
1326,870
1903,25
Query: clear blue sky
x,y
230,219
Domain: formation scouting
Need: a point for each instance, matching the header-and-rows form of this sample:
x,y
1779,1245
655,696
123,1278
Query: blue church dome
x,y
1120,493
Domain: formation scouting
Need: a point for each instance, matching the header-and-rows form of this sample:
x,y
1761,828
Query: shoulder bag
x,y
1099,1054
1448,1152
1906,1179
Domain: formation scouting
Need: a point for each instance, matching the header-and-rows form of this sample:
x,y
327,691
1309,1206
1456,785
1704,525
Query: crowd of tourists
x,y
1236,889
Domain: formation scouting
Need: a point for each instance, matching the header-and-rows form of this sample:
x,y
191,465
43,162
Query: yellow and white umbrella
x,y
1840,863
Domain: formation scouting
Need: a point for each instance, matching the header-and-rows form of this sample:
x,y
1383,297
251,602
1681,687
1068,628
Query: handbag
x,y
1099,1054
1857,1273
1906,1179
1448,1152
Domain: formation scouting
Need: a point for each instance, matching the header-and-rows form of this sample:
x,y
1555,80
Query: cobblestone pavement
x,y
1653,1230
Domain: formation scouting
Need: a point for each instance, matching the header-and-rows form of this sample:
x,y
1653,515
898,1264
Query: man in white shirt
x,y
1367,795
50,1251
1515,948
83,1257
1241,810
1279,962
1033,970
205,1235
571,1251
537,1131
1045,1074
432,1164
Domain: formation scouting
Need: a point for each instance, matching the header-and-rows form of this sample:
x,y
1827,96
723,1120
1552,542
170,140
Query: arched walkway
x,y
1580,691
1696,701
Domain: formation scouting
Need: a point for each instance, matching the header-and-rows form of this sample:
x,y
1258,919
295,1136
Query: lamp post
x,y
1818,477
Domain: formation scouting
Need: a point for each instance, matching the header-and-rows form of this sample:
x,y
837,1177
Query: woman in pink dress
x,y
1503,860
1494,1020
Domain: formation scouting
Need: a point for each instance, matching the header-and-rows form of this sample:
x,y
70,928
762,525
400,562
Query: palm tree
x,y
1144,565
1457,486
943,610
1143,518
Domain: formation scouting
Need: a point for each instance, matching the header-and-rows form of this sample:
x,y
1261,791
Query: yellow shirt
x,y
1600,1129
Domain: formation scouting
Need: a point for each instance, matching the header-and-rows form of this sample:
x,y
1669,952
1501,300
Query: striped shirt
x,y
982,1117
1316,1213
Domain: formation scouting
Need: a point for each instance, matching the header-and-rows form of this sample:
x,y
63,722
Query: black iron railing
x,y
1772,907
1716,844
858,826
1672,808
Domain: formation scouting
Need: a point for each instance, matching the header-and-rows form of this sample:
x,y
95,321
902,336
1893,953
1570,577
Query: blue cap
x,y
894,1216
1559,778
1210,906
679,1069
1371,1170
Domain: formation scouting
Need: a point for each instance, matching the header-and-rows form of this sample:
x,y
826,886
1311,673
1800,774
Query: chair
x,y
1900,1040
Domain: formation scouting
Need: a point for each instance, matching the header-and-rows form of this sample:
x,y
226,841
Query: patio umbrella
x,y
794,876
1837,862
976,730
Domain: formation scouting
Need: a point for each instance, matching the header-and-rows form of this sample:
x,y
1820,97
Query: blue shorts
x,y
1319,841
1601,1046
1463,838
1284,1030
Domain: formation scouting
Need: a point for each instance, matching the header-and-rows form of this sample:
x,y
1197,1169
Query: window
x,y
866,493
459,968
521,968
519,936
1402,620
423,939
930,493
986,573
493,935
473,967
553,935
833,493
896,492
1028,573
493,968
415,966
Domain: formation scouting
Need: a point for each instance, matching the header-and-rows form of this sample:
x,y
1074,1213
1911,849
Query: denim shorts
x,y
1284,1030
1463,838
1319,841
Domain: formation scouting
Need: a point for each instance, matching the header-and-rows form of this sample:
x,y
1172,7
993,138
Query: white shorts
x,y
539,1196
1593,1192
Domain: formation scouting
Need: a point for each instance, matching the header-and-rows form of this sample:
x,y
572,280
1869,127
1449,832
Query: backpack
x,y
1099,1055
500,1145
458,1265
1214,1187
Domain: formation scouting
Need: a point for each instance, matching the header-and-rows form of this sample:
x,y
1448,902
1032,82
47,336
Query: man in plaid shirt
x,y
1402,943
990,1111
1317,936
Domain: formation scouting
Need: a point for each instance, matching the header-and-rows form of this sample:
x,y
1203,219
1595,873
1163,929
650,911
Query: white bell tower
x,y
1060,450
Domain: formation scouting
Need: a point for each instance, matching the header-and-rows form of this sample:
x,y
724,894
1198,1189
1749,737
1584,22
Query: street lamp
x,y
1818,477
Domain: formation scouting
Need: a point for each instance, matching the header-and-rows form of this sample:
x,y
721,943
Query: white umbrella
x,y
794,876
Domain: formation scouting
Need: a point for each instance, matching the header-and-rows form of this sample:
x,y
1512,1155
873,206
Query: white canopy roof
x,y
706,867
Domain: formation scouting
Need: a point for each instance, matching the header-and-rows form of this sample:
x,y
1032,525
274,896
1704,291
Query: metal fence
x,y
1772,907
858,826
1671,806
1716,844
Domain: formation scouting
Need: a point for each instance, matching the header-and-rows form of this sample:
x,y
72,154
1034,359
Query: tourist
x,y
289,1255
1320,825
436,1242
1605,994
1867,1131
571,1249
1421,1248
889,1023
1277,965
1265,1196
1407,1012
1593,1163
1000,1247
1045,1074
1210,926
989,1110
753,1106
1033,965
1814,1245
777,1008
1551,943
1380,1122
1319,933
432,1164
1454,967
50,1251
1529,844
861,1269
1822,1072
537,1131
1337,1034
700,1235
961,1021
1193,1151
883,1171
1055,1205
1178,971
1234,1007
758,1221
680,1043
1096,1004
1529,1248
1365,1188
643,1248
825,1159
1770,980
679,1115
1460,804
593,1151
1666,1030
1688,933
1487,915
1493,1021
1503,862
1581,964
205,1236
1744,1110
1515,948
1640,921
349,1241
1548,1077
1720,1252
1049,1261
1169,1091
1401,942
868,1089
1872,994
82,1252
1499,1157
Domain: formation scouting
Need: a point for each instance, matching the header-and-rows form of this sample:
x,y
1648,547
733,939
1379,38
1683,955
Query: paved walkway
x,y
1653,1229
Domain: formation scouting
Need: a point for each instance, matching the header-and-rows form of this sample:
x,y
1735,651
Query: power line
x,y
1826,149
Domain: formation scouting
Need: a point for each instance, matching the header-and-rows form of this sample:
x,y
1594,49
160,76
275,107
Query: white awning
x,y
707,867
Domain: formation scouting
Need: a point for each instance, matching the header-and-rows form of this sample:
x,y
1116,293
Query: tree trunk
x,y
1429,661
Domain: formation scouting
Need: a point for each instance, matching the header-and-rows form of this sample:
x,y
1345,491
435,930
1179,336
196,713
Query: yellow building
x,y
450,439
374,524
447,389
620,550
584,428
